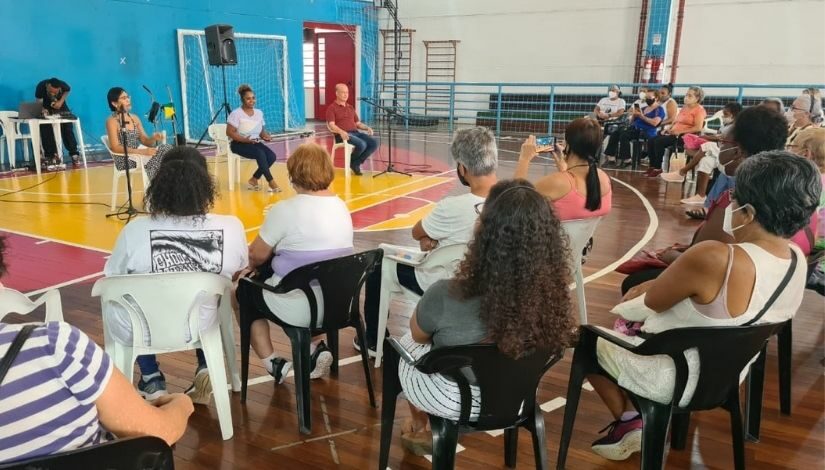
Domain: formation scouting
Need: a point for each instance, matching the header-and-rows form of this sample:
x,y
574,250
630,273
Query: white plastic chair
x,y
445,258
166,304
11,134
12,301
117,174
717,117
579,232
217,132
347,154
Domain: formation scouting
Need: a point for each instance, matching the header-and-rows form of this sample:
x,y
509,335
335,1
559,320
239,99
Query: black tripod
x,y
224,107
129,211
389,113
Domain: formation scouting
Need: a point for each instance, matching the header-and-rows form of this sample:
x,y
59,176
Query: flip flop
x,y
697,214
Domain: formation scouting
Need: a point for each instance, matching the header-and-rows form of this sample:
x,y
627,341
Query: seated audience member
x,y
312,226
62,392
690,120
817,97
510,289
774,103
52,93
119,101
579,190
703,157
450,223
666,101
757,129
810,144
245,126
610,107
644,121
713,284
343,121
802,113
180,235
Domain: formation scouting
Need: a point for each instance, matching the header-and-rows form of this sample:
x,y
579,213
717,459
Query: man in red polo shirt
x,y
343,121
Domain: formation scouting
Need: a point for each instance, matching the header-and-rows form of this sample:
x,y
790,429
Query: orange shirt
x,y
688,118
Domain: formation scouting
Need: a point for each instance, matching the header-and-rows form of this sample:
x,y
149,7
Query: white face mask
x,y
789,115
613,95
642,95
727,120
688,99
727,223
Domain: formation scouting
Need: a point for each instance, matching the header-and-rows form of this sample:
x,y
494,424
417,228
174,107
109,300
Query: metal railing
x,y
540,108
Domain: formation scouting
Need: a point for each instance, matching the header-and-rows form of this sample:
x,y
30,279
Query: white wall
x,y
753,41
723,41
528,40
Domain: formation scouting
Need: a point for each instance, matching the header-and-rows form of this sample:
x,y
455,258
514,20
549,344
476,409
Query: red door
x,y
334,63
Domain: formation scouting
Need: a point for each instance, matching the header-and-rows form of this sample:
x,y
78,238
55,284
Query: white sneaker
x,y
672,177
201,389
696,200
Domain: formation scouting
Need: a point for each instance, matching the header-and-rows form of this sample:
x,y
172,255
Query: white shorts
x,y
707,164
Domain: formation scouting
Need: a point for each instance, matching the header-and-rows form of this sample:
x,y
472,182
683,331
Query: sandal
x,y
253,187
697,214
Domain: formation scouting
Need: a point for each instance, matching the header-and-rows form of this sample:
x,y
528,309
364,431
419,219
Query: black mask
x,y
650,101
460,177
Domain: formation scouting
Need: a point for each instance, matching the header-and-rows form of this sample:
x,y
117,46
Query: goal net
x,y
262,63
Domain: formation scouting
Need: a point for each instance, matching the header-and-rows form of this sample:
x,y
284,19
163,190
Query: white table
x,y
34,129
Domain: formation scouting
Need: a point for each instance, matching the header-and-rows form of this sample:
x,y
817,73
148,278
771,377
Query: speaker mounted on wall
x,y
220,44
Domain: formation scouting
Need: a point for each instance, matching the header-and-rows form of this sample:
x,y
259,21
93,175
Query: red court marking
x,y
32,266
400,205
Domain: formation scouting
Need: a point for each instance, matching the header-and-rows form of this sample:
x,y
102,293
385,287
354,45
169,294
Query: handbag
x,y
643,260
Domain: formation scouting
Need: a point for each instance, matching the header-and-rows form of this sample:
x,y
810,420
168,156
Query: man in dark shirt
x,y
53,92
343,121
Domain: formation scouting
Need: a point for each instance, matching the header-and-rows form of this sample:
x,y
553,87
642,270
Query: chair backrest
x,y
217,132
12,301
445,257
5,121
716,118
579,232
105,140
164,303
340,280
723,353
135,453
484,365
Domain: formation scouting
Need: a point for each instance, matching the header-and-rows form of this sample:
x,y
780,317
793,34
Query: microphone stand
x,y
128,212
389,113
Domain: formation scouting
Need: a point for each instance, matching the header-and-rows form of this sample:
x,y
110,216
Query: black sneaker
x,y
321,360
356,170
357,346
280,369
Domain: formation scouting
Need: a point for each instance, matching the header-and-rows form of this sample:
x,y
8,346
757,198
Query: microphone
x,y
363,98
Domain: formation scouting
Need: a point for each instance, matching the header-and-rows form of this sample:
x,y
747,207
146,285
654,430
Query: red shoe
x,y
653,172
624,438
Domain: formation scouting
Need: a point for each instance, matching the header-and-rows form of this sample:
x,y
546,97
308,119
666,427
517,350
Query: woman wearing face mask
x,y
714,284
579,190
610,107
802,113
644,120
810,144
666,101
690,120
245,126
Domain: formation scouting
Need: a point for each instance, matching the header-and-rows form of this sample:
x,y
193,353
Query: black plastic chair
x,y
718,384
341,280
502,407
637,145
756,382
134,453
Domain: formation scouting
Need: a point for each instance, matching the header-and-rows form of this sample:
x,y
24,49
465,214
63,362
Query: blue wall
x,y
82,42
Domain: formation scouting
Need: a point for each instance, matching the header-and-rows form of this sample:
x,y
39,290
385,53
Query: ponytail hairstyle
x,y
244,89
584,138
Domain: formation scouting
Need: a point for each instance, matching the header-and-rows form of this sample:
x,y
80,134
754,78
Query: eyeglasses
x,y
479,207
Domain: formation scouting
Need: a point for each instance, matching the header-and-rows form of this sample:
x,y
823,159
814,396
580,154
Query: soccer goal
x,y
262,63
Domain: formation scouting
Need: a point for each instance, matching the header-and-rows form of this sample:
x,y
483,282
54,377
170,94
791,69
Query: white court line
x,y
55,240
42,242
64,284
269,378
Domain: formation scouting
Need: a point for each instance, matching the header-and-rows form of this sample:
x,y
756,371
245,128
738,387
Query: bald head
x,y
341,93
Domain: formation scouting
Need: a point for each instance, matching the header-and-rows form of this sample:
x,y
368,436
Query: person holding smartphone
x,y
245,126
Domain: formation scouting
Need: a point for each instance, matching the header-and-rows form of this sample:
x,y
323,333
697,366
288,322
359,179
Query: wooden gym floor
x,y
58,244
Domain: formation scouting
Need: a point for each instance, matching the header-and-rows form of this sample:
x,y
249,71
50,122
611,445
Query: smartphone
x,y
545,143
637,106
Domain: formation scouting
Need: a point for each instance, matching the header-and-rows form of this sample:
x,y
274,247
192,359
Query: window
x,y
309,65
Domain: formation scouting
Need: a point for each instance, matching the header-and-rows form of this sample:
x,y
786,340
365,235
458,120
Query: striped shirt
x,y
47,399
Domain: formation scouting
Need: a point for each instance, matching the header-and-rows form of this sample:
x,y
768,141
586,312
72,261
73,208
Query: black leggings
x,y
258,152
656,149
639,277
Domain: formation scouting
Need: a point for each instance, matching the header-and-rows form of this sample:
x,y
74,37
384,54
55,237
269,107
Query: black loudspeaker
x,y
220,44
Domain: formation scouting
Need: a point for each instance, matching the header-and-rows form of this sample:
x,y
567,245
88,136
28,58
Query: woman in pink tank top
x,y
579,190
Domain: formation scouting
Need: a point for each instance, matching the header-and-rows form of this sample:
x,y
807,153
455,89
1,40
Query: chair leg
x,y
115,177
332,339
300,339
754,388
213,351
359,330
736,429
784,343
245,327
445,440
392,387
574,390
679,431
580,295
539,439
510,447
228,343
656,418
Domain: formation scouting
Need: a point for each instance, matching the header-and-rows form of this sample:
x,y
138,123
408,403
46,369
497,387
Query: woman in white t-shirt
x,y
245,126
179,236
312,226
611,106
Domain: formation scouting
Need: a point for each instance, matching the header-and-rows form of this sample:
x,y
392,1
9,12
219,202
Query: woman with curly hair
x,y
180,235
510,289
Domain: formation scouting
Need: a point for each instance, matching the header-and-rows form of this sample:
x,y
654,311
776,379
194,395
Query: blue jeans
x,y
364,145
258,152
372,296
148,364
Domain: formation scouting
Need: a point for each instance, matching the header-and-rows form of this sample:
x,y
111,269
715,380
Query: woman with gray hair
x,y
713,284
690,120
805,112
